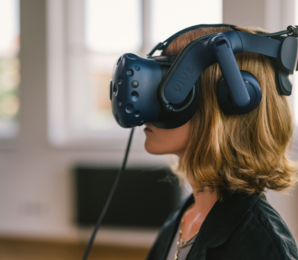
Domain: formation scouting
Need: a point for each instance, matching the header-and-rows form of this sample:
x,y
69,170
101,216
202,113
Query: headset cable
x,y
108,202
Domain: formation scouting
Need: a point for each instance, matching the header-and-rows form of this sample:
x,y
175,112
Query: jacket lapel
x,y
220,223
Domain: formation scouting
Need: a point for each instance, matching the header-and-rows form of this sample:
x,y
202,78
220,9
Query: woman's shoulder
x,y
261,234
269,223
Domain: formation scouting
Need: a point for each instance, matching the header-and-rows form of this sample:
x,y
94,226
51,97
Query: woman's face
x,y
167,141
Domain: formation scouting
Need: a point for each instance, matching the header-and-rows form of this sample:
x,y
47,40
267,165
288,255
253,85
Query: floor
x,y
12,249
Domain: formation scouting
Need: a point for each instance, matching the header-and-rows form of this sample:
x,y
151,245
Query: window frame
x,y
65,38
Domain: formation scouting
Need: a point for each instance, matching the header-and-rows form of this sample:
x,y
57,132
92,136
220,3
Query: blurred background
x,y
59,144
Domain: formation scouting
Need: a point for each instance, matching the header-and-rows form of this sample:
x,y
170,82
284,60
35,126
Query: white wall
x,y
35,178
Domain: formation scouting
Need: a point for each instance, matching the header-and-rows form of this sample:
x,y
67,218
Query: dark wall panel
x,y
144,197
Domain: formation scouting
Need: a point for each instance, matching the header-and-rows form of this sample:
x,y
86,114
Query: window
x,y
182,14
9,67
109,32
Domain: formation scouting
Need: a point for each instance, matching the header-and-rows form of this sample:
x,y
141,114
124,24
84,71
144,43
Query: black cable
x,y
108,202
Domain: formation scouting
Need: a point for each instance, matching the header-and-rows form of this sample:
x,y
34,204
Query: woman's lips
x,y
147,128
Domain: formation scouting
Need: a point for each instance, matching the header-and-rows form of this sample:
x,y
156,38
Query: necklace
x,y
180,243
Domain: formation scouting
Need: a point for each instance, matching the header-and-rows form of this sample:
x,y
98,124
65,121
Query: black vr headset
x,y
164,90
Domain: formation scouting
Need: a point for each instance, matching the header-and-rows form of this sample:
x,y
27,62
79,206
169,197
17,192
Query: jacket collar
x,y
225,216
219,224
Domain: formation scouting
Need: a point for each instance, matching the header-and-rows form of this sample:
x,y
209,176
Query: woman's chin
x,y
153,149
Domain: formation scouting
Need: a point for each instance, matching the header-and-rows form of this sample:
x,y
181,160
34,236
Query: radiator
x,y
144,198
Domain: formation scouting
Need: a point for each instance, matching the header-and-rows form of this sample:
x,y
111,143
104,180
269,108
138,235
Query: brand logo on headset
x,y
188,70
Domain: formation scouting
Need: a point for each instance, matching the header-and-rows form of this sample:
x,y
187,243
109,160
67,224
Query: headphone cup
x,y
224,97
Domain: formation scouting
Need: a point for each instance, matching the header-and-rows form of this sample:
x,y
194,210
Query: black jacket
x,y
242,227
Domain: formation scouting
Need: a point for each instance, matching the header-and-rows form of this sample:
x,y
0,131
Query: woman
x,y
229,160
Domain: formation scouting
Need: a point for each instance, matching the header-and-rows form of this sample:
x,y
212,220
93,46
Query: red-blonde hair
x,y
238,152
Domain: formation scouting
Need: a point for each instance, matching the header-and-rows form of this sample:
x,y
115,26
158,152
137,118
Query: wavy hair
x,y
245,152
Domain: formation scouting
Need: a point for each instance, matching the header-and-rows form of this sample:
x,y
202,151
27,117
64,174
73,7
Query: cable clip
x,y
293,30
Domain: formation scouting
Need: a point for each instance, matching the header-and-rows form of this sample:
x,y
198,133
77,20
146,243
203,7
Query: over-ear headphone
x,y
164,90
239,92
253,88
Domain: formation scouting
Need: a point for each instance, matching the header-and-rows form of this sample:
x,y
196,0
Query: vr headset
x,y
164,90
